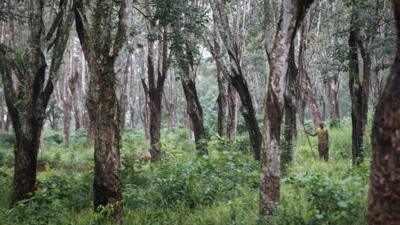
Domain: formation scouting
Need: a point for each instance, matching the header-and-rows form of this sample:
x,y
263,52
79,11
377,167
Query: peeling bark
x,y
292,13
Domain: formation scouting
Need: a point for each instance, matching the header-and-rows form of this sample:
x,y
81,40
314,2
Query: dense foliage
x,y
221,188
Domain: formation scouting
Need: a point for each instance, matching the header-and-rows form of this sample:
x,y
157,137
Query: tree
x,y
102,40
184,47
384,192
235,76
27,101
292,13
156,78
290,131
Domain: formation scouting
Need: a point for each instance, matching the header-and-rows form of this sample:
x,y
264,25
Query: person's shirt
x,y
322,136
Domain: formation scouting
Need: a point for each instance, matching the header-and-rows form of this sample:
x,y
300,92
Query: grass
x,y
184,189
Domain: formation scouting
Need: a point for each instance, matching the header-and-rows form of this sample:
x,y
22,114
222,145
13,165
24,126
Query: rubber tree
x,y
291,15
185,45
359,80
27,91
101,41
384,191
236,76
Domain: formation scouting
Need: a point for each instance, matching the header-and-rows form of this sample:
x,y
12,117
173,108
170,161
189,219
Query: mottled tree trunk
x,y
232,113
196,115
291,17
359,90
25,152
69,90
290,131
222,90
154,88
170,102
101,52
103,110
332,88
27,101
236,78
384,191
304,81
123,98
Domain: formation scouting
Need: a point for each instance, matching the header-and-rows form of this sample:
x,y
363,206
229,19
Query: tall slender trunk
x,y
69,89
304,81
170,102
123,99
292,14
290,131
222,92
384,192
195,112
236,77
154,89
232,113
332,88
359,90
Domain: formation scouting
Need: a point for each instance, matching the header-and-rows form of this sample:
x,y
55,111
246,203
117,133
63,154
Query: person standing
x,y
323,141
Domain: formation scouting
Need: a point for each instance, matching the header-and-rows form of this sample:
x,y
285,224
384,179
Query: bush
x,y
53,137
332,201
7,139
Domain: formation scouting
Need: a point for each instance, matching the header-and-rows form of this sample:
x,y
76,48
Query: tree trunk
x,y
222,92
196,115
290,18
102,107
290,132
304,81
154,90
27,107
235,76
232,113
69,90
102,102
170,102
384,192
359,90
332,87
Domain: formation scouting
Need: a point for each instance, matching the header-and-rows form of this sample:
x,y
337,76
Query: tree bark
x,y
359,90
101,51
170,102
27,103
236,77
232,113
222,90
195,112
304,82
292,13
384,191
154,90
290,131
332,88
69,90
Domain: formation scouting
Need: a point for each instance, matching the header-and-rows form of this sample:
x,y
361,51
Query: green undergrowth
x,y
221,188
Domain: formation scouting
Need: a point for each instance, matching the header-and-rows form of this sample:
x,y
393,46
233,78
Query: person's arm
x,y
311,134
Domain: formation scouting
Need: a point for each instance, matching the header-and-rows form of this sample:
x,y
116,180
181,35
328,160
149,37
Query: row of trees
x,y
101,69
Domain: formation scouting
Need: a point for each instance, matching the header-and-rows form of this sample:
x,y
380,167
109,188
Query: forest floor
x,y
221,188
